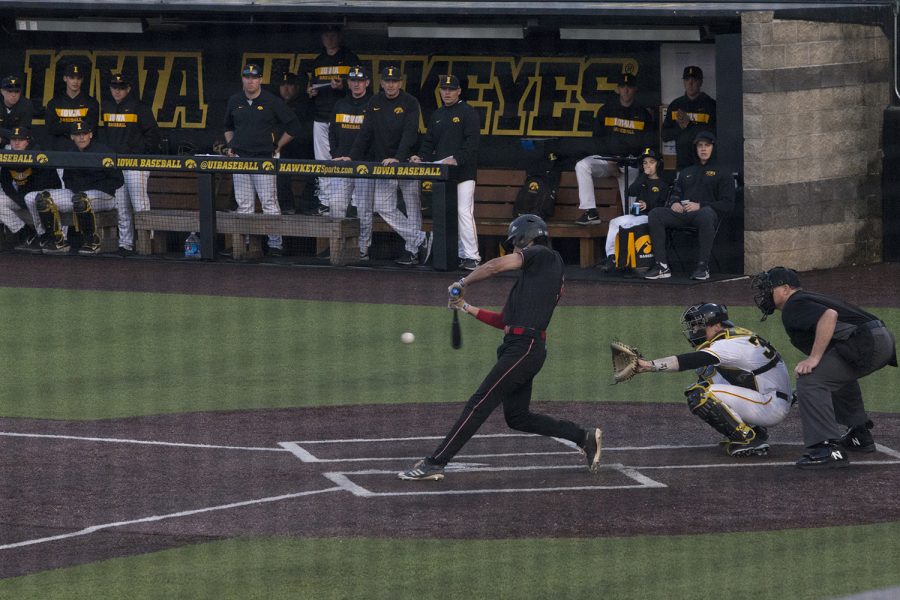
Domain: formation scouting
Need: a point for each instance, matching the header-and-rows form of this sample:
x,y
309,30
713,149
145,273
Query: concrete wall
x,y
814,94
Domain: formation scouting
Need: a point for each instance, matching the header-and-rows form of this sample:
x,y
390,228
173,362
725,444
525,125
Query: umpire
x,y
524,322
843,343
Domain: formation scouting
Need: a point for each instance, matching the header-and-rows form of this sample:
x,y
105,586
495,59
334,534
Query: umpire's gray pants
x,y
830,396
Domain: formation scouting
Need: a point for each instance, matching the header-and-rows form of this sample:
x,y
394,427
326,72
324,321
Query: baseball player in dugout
x,y
252,116
327,85
72,105
687,115
129,127
843,343
454,131
388,135
702,194
743,385
87,192
15,111
524,321
622,128
16,183
346,123
289,88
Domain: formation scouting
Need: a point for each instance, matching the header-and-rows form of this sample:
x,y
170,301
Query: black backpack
x,y
537,196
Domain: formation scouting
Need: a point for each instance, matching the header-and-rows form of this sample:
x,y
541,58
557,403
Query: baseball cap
x,y
74,70
629,79
706,135
650,153
357,72
12,84
783,275
331,27
251,70
289,78
119,81
20,133
692,72
80,127
449,82
391,74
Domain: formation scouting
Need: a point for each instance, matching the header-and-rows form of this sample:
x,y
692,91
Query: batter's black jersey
x,y
533,298
454,131
702,114
652,192
802,311
254,123
346,123
18,181
326,68
130,127
623,130
62,111
390,129
19,114
82,180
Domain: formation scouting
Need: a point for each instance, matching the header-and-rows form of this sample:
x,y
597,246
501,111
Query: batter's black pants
x,y
519,359
663,217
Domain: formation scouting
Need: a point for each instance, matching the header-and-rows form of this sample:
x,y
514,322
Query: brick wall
x,y
813,100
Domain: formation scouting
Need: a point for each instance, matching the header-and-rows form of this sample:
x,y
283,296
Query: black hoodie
x,y
709,184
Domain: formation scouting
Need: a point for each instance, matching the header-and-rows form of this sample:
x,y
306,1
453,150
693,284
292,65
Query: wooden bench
x,y
342,233
107,227
495,195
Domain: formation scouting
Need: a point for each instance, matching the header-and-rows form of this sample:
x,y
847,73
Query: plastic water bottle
x,y
192,246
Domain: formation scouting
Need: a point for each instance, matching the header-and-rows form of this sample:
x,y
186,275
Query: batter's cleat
x,y
658,271
593,448
423,471
56,246
588,217
826,455
858,439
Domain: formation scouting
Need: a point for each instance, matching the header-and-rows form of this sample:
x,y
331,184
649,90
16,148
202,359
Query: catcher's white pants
x,y
465,220
592,167
322,151
100,201
362,193
409,226
8,214
130,198
751,406
618,223
247,187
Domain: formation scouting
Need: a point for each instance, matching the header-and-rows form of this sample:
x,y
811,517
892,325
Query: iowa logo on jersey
x,y
398,110
456,119
710,173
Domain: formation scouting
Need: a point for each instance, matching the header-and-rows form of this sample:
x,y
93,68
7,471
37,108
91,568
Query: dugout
x,y
802,87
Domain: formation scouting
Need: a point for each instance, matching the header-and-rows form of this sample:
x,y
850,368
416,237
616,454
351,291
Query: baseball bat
x,y
455,329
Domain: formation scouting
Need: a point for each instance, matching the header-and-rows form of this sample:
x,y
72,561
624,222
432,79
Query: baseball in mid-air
x,y
407,337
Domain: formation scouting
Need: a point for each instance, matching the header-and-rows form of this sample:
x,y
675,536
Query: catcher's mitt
x,y
624,360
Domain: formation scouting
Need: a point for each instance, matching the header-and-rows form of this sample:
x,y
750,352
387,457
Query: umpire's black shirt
x,y
454,131
802,311
534,296
254,123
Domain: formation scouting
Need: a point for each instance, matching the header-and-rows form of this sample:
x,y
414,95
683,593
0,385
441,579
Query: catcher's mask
x,y
695,319
763,284
525,229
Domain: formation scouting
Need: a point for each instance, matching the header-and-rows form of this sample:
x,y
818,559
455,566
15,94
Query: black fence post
x,y
207,216
445,231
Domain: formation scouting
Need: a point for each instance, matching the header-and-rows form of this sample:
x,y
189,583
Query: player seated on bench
x,y
743,384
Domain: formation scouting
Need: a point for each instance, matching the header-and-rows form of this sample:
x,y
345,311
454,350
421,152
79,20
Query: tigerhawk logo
x,y
398,110
268,166
642,245
108,162
190,163
533,186
455,119
426,186
42,159
362,169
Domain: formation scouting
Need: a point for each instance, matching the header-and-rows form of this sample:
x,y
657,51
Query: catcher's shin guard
x,y
49,216
86,221
705,405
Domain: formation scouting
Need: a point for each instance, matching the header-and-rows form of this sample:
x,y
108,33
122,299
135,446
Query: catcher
x,y
743,384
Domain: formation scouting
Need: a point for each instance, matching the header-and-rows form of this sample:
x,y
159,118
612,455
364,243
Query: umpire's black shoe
x,y
827,455
593,448
424,470
858,439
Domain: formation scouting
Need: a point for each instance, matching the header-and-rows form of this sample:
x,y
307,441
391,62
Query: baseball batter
x,y
524,322
744,385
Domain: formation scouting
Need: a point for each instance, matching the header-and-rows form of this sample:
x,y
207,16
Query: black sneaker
x,y
90,247
125,252
588,217
276,252
658,271
701,273
56,246
757,446
320,210
608,265
425,248
423,471
33,245
858,439
593,448
408,259
468,264
827,455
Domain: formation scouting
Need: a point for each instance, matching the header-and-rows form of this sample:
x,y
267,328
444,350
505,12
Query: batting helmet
x,y
763,284
525,229
695,319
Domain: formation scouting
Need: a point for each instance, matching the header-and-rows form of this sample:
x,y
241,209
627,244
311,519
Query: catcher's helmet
x,y
763,284
695,319
525,229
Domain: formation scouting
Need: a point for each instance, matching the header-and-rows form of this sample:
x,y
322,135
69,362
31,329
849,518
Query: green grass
x,y
92,355
796,564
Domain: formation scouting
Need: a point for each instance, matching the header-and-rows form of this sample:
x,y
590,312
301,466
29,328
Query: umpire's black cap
x,y
783,275
80,127
12,83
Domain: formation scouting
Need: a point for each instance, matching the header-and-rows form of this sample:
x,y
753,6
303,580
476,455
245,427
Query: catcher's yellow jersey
x,y
743,357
